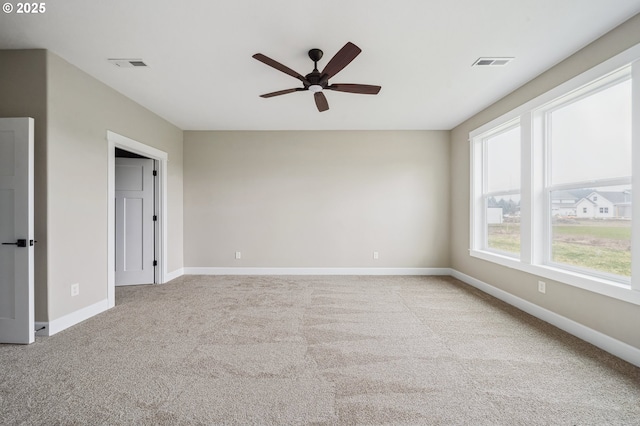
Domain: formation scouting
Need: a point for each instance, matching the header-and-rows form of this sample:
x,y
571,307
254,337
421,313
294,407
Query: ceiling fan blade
x,y
282,92
364,89
321,101
341,59
277,65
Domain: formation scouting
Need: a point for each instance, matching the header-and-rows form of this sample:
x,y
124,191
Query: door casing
x,y
116,140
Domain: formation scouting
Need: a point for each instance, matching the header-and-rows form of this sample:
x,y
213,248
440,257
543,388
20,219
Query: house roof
x,y
616,197
201,74
585,200
563,195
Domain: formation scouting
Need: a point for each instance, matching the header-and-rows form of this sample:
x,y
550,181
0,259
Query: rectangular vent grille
x,y
128,63
492,62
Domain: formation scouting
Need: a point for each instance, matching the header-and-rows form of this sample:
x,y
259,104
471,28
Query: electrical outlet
x,y
376,255
75,289
542,287
238,255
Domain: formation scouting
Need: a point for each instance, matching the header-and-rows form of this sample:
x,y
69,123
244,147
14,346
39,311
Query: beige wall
x,y
80,111
609,316
23,93
316,199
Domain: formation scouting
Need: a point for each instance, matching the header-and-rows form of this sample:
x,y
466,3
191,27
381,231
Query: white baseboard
x,y
317,271
57,325
173,275
613,346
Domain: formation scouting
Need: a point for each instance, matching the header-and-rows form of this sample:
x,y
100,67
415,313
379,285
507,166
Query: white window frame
x,y
535,201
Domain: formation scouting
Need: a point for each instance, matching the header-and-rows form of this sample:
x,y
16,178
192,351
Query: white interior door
x,y
134,221
16,230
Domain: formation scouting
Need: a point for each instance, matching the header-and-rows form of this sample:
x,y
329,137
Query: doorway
x,y
136,215
160,159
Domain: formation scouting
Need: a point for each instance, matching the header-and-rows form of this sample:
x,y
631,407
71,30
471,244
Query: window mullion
x,y
537,182
526,180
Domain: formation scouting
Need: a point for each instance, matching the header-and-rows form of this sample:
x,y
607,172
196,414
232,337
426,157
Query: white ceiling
x,y
201,75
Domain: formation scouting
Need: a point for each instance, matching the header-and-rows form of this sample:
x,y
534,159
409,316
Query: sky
x,y
590,139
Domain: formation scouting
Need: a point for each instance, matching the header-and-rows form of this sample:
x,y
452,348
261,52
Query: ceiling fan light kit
x,y
316,81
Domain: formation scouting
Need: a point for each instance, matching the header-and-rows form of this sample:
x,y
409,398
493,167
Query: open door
x,y
135,221
16,230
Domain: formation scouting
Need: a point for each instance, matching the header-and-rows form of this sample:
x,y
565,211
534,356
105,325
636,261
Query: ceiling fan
x,y
317,81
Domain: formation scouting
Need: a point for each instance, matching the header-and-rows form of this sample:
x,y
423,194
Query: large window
x,y
588,140
551,188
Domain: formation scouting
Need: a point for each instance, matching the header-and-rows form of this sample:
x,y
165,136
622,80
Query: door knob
x,y
19,243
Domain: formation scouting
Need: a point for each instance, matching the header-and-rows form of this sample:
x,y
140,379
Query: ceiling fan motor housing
x,y
314,79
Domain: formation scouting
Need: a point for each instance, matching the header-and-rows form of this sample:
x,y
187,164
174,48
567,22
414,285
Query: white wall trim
x,y
174,274
596,338
316,271
115,140
57,325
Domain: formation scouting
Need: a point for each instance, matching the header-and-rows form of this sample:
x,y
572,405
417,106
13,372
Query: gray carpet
x,y
314,350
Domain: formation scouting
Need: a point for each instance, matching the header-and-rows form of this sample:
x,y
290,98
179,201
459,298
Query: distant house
x,y
605,204
587,208
592,204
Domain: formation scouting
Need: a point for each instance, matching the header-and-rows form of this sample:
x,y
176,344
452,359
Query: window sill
x,y
601,286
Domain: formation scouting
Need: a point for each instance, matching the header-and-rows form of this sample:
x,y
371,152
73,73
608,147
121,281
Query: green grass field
x,y
603,246
505,237
595,231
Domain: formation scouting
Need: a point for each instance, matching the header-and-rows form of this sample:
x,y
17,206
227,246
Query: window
x,y
587,136
551,188
502,190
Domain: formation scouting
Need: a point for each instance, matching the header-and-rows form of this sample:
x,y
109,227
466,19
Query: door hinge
x,y
155,263
155,173
155,218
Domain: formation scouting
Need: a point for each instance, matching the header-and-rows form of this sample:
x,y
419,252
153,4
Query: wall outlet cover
x,y
542,287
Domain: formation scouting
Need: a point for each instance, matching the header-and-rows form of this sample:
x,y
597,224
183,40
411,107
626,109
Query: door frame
x,y
115,140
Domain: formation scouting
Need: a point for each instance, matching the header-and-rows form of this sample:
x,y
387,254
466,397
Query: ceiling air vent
x,y
128,63
492,62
